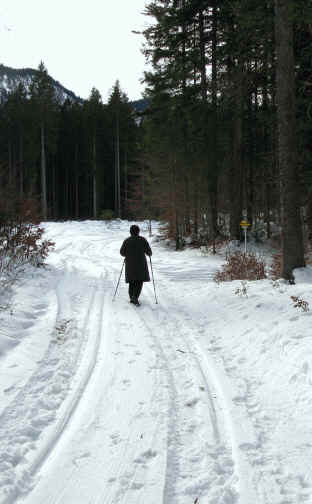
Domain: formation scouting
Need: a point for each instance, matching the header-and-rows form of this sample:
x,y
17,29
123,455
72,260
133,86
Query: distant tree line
x,y
65,154
228,131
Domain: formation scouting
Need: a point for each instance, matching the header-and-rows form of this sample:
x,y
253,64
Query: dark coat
x,y
134,249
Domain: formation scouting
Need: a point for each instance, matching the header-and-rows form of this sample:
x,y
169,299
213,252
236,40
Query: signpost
x,y
245,225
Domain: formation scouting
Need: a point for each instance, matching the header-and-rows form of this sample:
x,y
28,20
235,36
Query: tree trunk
x,y
21,165
213,182
117,169
236,169
10,163
94,178
44,205
76,183
292,237
202,49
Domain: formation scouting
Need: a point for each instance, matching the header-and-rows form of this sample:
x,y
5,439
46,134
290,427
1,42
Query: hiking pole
x,y
153,280
119,279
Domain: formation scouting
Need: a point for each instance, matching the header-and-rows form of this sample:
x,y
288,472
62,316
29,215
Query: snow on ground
x,y
202,398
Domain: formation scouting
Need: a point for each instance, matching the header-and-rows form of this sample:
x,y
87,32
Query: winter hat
x,y
134,230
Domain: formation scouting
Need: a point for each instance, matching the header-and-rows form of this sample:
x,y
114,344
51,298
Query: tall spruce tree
x,y
124,136
93,109
292,240
44,104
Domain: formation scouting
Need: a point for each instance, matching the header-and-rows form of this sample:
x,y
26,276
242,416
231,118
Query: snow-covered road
x,y
202,398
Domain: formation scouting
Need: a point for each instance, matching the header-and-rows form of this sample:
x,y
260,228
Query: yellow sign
x,y
244,224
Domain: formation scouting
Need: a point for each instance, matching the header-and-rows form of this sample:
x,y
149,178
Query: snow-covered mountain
x,y
11,77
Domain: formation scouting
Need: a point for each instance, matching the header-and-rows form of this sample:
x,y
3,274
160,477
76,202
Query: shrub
x,y
276,267
241,266
20,237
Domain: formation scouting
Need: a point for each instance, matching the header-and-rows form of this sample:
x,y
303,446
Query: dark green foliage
x,y
64,151
212,126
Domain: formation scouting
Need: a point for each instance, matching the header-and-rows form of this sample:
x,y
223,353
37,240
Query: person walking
x,y
134,249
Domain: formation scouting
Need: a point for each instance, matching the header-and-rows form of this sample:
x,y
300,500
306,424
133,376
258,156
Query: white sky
x,y
83,44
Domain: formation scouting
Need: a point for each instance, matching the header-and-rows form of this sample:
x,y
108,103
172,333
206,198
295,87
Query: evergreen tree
x,y
124,137
293,254
93,111
44,108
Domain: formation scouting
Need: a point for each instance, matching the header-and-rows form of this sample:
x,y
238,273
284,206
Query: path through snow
x,y
206,395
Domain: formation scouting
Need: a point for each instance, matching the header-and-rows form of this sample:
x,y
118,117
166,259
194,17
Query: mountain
x,y
11,77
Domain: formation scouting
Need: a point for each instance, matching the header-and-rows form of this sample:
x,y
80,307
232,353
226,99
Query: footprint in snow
x,y
145,456
111,480
126,384
84,455
27,325
215,348
43,420
301,374
238,400
30,432
136,486
40,306
300,336
9,390
192,402
225,496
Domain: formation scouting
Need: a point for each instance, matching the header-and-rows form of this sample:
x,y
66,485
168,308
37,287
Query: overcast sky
x,y
83,43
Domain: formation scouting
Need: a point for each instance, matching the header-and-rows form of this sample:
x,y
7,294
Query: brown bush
x,y
241,266
276,267
20,235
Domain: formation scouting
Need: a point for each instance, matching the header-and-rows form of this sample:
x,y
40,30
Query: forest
x,y
64,154
225,136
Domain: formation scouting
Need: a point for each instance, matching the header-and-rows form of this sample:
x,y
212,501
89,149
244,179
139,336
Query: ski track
x,y
183,406
185,421
231,471
180,403
262,475
43,399
129,414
